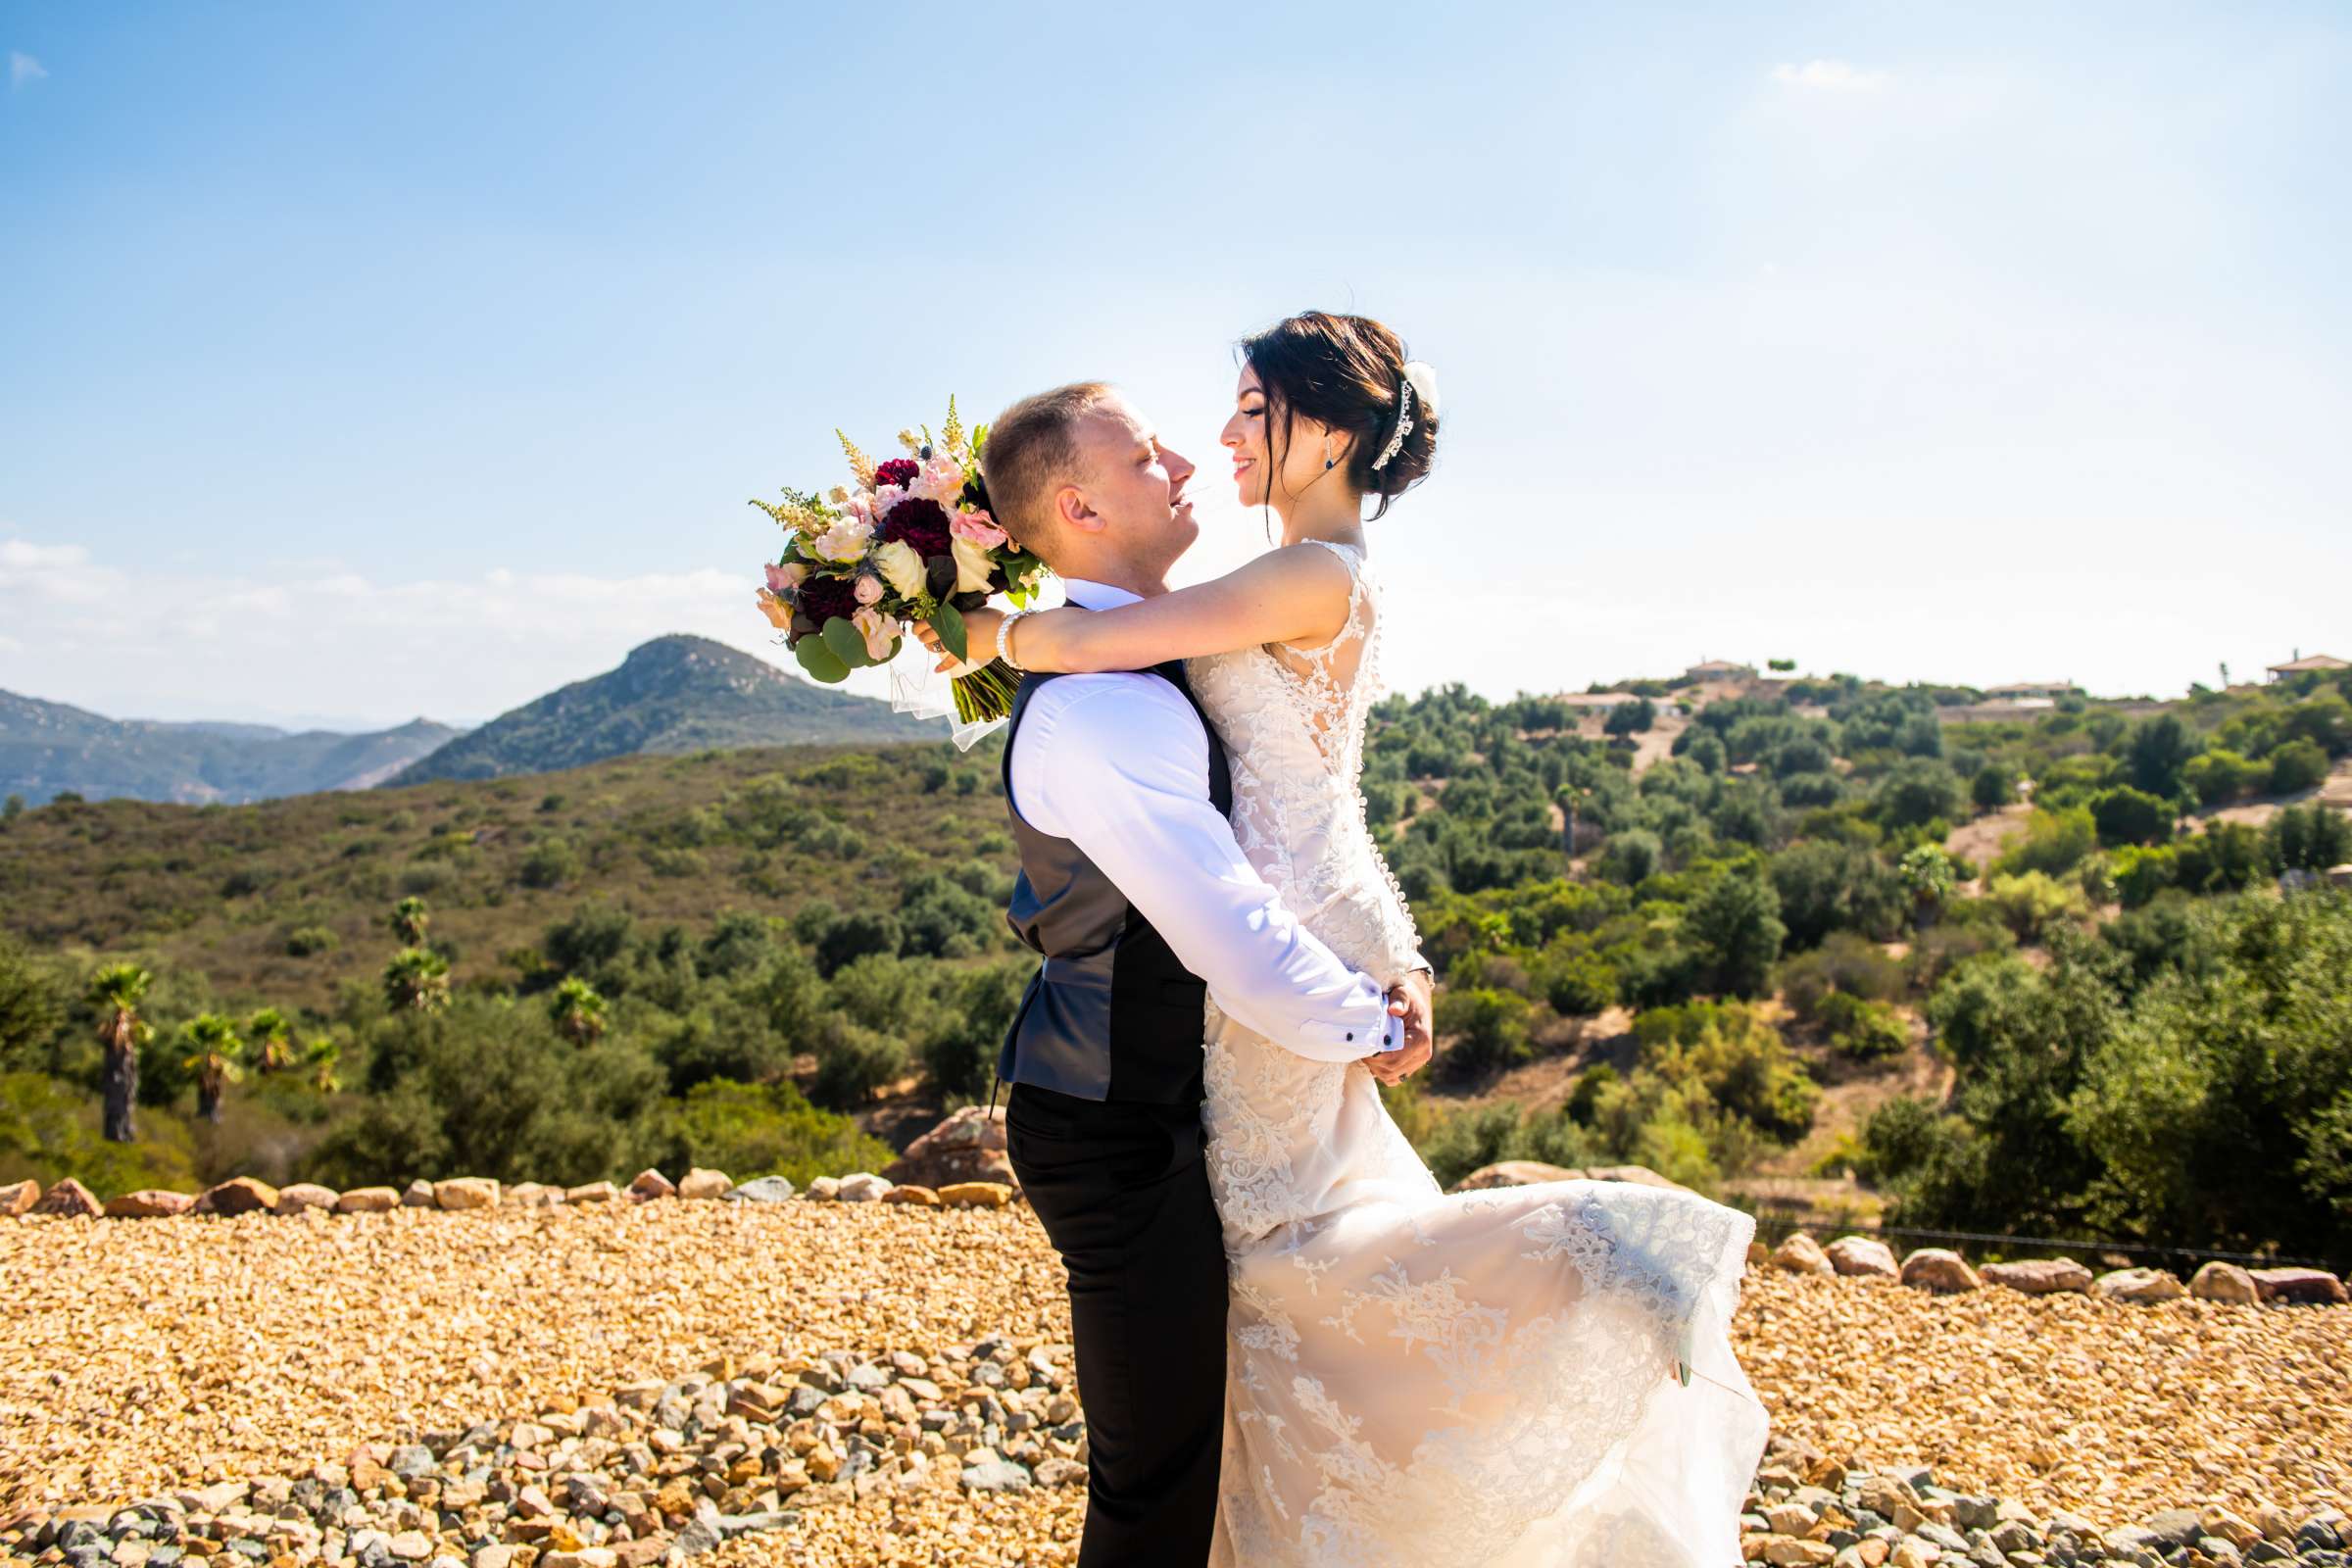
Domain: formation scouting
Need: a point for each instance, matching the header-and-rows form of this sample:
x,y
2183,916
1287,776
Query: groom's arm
x,y
1118,764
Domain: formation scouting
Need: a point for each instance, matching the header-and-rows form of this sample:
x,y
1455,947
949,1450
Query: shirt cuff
x,y
1393,1037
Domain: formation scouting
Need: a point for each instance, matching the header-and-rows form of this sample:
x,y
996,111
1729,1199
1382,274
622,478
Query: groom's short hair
x,y
1033,449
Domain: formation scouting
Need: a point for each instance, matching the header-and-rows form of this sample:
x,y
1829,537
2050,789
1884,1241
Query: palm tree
x,y
409,921
272,1040
578,1011
215,1056
116,991
416,980
321,1056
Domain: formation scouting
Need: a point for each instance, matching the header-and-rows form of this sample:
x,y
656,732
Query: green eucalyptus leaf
x,y
947,622
845,644
817,661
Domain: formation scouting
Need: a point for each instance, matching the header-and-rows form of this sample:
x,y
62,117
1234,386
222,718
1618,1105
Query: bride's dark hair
x,y
1345,373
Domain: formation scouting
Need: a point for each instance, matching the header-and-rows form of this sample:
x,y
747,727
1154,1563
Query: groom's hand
x,y
1409,1000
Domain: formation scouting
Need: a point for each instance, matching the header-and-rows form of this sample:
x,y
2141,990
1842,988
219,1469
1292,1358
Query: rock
x,y
2217,1281
761,1190
1863,1256
2037,1276
239,1195
1515,1173
967,1147
975,1195
2138,1285
1788,1551
910,1193
18,1198
368,1201
648,1185
418,1194
68,1200
466,1191
1938,1268
993,1474
1059,1472
699,1184
1800,1254
590,1193
293,1200
824,1189
148,1203
864,1187
2311,1286
532,1195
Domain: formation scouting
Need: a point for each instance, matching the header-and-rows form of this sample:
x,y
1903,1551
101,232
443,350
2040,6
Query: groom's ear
x,y
1074,513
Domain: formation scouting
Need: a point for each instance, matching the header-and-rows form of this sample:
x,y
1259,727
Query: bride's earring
x,y
1328,461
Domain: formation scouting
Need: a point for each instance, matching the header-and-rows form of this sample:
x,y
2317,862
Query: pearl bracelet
x,y
1004,639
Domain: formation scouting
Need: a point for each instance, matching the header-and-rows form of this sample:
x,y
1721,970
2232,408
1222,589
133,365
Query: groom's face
x,y
1135,485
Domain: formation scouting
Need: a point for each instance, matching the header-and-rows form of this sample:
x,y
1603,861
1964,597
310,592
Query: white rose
x,y
845,541
974,571
902,568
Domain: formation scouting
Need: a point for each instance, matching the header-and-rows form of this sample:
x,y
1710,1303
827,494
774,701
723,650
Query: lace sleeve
x,y
1400,940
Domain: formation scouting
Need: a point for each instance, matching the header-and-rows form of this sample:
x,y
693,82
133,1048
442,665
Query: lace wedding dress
x,y
1413,1379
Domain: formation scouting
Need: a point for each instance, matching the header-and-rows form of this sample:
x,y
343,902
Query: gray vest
x,y
1110,1015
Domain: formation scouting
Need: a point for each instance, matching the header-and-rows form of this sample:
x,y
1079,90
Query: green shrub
x,y
307,941
2054,843
752,1130
2299,764
1490,1028
1863,1029
2031,903
2126,815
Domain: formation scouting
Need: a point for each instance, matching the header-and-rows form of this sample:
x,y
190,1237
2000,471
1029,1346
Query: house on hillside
x,y
2321,663
2045,690
1719,669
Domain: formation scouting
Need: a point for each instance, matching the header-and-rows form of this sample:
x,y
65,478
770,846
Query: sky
x,y
361,362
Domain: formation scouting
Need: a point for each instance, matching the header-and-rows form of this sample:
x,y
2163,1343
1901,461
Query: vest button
x,y
1351,1033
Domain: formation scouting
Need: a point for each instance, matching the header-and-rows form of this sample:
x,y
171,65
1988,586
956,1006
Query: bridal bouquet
x,y
914,541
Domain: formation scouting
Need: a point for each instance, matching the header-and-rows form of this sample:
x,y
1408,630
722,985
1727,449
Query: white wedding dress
x,y
1415,1379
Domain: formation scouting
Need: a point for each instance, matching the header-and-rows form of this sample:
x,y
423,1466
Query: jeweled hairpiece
x,y
1405,426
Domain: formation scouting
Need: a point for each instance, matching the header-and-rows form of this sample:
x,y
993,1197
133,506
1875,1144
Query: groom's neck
x,y
1142,581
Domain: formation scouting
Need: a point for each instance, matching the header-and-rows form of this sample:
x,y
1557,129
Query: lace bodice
x,y
1293,722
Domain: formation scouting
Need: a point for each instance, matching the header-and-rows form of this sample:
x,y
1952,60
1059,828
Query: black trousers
x,y
1123,1193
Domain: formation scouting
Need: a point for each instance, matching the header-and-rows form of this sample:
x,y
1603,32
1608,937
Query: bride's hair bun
x,y
1348,373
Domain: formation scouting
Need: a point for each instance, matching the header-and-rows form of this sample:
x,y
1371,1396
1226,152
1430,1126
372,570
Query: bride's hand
x,y
979,637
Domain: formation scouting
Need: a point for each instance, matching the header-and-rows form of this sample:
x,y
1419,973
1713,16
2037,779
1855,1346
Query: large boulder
x,y
1938,1268
18,1198
864,1187
699,1183
761,1190
368,1201
2314,1286
466,1191
975,1195
239,1195
967,1147
1863,1256
1515,1173
2139,1284
148,1203
68,1200
908,1193
590,1193
1638,1175
418,1194
2038,1276
1799,1254
2217,1281
648,1185
305,1195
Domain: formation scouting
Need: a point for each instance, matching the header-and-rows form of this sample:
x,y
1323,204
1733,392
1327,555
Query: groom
x,y
1136,891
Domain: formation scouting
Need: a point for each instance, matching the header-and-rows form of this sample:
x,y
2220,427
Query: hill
x,y
49,748
673,694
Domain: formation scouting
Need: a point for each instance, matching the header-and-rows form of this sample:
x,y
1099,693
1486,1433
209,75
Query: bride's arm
x,y
1298,594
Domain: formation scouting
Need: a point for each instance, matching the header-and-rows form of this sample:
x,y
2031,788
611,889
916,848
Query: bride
x,y
1528,1376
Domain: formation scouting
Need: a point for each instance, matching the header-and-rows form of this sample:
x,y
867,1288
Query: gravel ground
x,y
144,1357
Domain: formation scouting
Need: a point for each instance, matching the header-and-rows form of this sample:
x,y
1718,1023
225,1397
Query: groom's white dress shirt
x,y
1118,764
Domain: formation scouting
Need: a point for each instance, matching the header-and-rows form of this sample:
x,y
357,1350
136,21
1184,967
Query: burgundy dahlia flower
x,y
823,598
901,471
920,523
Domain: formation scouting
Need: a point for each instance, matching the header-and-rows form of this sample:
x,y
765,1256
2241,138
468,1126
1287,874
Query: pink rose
x,y
886,496
867,588
879,634
782,578
942,481
979,527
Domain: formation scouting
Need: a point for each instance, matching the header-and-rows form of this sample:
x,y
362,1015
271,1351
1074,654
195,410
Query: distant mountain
x,y
673,694
48,747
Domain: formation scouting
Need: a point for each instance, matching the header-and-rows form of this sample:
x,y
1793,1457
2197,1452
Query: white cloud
x,y
22,67
261,644
1829,75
